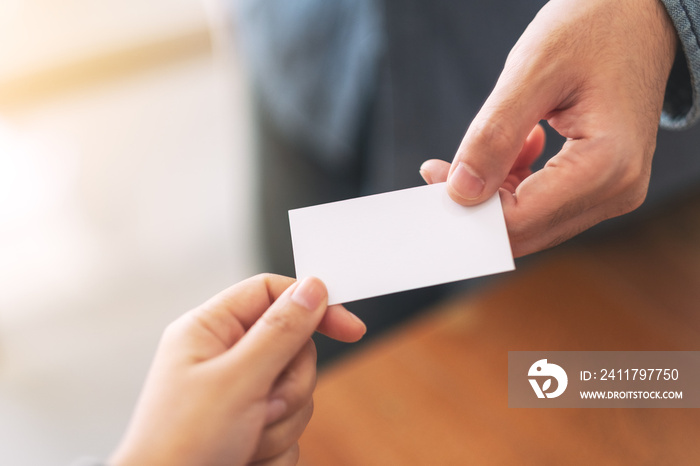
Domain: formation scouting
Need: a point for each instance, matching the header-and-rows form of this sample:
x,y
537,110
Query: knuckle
x,y
306,414
299,387
267,277
293,457
517,233
174,330
632,174
310,348
491,133
633,185
275,444
639,198
171,330
281,322
633,200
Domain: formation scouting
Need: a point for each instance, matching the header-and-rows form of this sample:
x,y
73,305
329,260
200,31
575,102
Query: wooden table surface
x,y
434,391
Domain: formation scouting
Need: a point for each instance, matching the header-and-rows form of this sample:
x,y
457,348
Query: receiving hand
x,y
232,380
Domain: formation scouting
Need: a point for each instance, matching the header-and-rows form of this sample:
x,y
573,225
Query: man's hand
x,y
596,70
232,380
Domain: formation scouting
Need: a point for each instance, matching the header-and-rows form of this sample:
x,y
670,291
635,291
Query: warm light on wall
x,y
44,247
28,184
49,47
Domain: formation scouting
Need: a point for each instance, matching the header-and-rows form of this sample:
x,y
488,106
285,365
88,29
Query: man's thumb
x,y
485,157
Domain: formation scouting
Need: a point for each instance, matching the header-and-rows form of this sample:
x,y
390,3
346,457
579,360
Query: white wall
x,y
122,204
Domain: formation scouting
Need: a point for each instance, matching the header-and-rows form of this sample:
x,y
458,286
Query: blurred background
x,y
125,193
132,140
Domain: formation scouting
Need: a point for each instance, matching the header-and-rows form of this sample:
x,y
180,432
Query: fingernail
x,y
465,182
425,175
309,293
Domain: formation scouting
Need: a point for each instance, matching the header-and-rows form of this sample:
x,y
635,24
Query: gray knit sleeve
x,y
681,103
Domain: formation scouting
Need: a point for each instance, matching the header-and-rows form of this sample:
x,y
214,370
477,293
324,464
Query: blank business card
x,y
398,241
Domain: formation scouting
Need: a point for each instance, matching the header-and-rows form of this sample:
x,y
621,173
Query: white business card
x,y
398,241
